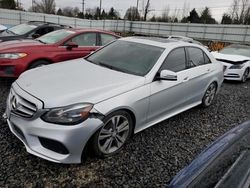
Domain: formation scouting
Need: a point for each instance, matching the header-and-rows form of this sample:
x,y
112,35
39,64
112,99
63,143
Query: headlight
x,y
239,66
13,55
69,115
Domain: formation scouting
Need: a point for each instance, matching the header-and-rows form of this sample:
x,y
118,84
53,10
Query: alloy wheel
x,y
210,94
245,75
113,134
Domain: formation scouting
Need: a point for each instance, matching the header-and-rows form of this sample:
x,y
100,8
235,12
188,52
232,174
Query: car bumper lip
x,y
233,74
74,138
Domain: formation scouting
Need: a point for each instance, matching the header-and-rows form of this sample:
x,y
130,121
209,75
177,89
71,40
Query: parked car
x,y
2,28
29,30
223,164
236,61
61,45
121,89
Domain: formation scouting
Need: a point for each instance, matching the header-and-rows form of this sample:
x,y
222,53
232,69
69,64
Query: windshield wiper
x,y
111,67
41,41
9,31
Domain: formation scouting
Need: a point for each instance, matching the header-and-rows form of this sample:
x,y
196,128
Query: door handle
x,y
208,70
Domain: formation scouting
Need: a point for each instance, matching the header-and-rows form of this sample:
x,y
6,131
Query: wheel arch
x,y
39,59
128,110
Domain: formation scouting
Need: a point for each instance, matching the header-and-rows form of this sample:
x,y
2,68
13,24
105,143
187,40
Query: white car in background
x,y
2,28
236,61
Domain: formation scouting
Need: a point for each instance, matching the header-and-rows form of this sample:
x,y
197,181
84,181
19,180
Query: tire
x,y
209,95
108,140
245,76
38,63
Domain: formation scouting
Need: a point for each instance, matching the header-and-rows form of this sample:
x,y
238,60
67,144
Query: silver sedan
x,y
61,110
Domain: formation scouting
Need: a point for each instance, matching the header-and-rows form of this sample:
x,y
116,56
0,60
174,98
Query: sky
x,y
218,7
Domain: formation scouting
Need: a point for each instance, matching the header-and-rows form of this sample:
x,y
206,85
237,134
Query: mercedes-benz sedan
x,y
59,110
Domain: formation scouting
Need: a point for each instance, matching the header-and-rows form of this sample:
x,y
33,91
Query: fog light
x,y
9,70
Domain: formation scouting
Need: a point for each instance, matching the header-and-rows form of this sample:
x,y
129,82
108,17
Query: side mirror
x,y
167,75
34,36
71,45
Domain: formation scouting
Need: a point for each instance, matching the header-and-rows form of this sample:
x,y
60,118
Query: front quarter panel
x,y
136,101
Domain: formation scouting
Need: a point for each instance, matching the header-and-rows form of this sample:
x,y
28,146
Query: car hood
x,y
231,59
76,81
14,45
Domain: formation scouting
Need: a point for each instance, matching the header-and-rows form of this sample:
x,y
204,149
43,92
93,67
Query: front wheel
x,y
113,135
209,95
245,75
38,63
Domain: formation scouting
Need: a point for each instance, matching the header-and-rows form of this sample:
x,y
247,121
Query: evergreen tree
x,y
59,12
226,19
206,17
132,14
8,4
194,17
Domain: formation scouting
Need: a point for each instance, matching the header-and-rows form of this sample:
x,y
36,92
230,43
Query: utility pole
x,y
137,7
17,4
100,8
33,3
83,3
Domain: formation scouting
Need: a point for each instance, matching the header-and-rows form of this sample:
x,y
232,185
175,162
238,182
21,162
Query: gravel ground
x,y
150,159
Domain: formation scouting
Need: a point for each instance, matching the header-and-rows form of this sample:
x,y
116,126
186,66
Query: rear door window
x,y
196,57
86,39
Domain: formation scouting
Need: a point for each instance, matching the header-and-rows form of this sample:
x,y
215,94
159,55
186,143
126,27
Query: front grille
x,y
21,106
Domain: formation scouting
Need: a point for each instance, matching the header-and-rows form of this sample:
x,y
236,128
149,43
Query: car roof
x,y
159,42
80,30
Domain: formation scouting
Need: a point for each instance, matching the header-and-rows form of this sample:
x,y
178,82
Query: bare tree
x,y
70,11
185,10
45,6
240,11
175,15
165,14
146,10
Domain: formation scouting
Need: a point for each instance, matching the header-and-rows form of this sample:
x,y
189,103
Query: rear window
x,y
22,29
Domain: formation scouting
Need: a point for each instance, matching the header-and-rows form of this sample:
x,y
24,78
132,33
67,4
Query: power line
x,y
218,7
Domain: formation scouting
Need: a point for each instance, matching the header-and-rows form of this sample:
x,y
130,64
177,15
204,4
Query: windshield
x,y
128,57
21,29
55,36
236,50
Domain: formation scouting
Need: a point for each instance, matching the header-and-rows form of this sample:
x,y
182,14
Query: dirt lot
x,y
150,159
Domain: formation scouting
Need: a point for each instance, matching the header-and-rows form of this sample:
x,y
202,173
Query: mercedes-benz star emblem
x,y
14,103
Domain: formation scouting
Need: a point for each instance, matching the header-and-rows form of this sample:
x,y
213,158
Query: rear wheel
x,y
245,75
113,135
39,63
209,95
